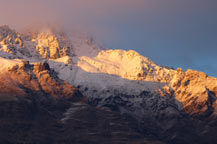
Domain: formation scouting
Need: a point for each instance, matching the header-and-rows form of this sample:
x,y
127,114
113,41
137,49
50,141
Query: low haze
x,y
178,33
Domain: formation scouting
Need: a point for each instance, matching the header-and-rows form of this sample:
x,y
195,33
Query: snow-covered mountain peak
x,y
53,45
48,61
80,61
126,64
96,71
69,42
48,42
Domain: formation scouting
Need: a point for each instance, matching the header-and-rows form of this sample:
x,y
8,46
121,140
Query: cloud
x,y
23,12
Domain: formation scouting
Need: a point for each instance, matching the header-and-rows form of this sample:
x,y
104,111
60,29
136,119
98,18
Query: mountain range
x,y
63,87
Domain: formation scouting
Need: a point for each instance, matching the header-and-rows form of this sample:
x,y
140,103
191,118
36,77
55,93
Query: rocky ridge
x,y
38,107
171,105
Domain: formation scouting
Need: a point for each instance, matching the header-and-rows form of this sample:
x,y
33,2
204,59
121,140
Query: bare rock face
x,y
50,43
23,78
196,91
52,46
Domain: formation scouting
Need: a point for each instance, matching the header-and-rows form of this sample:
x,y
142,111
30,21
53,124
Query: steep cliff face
x,y
19,78
196,91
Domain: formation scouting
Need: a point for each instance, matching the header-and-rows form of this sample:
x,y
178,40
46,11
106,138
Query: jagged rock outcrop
x,y
46,43
24,78
52,45
196,91
9,40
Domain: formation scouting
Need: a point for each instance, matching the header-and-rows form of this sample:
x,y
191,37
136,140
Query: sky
x,y
177,33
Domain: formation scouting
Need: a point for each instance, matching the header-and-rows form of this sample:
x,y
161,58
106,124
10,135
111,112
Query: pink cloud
x,y
24,12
